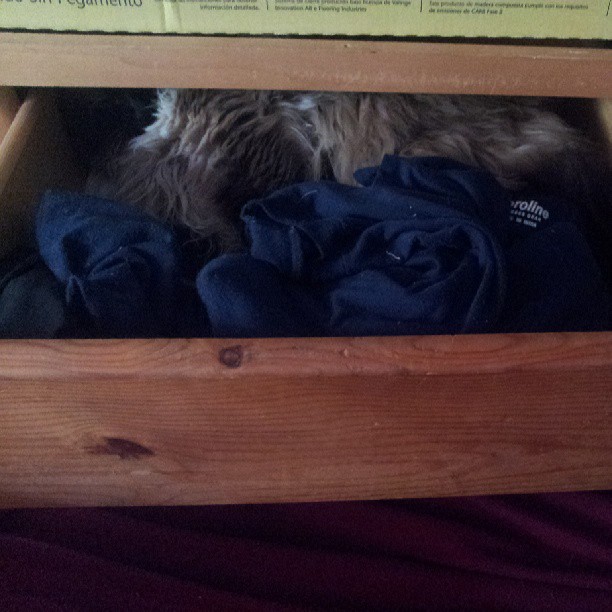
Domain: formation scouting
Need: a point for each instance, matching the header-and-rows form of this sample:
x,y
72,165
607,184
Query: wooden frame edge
x,y
93,60
129,423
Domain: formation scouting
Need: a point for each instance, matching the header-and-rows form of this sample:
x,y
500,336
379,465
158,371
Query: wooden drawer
x,y
212,421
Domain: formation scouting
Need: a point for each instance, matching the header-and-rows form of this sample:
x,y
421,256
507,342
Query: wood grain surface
x,y
213,421
265,63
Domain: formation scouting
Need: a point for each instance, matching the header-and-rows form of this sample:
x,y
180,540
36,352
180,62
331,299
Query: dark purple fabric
x,y
536,552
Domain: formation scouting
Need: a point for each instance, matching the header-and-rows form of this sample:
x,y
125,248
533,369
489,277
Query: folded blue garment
x,y
120,268
404,254
425,246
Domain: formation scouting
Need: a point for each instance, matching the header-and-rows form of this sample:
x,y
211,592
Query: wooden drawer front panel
x,y
208,421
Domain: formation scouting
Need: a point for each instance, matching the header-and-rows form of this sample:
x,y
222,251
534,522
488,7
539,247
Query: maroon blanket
x,y
544,552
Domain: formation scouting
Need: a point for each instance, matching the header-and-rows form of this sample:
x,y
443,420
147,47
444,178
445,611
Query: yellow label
x,y
586,19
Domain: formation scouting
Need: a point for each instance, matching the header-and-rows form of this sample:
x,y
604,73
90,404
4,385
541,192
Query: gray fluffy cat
x,y
208,152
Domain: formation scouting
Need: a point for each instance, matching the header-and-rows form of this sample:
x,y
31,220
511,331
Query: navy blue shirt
x,y
425,245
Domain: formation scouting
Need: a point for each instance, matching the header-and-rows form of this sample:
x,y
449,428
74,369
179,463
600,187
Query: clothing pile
x,y
424,245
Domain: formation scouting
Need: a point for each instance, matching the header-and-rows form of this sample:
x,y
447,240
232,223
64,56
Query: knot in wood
x,y
231,356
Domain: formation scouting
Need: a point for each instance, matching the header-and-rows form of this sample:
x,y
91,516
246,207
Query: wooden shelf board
x,y
278,63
